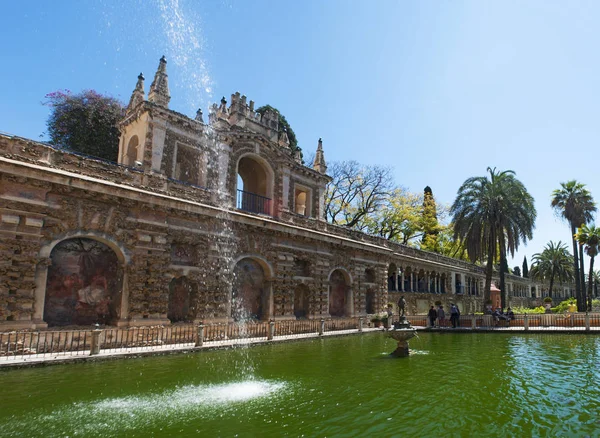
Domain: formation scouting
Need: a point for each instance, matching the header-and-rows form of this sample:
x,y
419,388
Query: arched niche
x,y
131,155
183,295
301,298
370,301
254,185
392,277
340,294
251,291
83,284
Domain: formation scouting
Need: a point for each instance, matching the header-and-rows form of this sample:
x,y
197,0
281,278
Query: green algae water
x,y
451,385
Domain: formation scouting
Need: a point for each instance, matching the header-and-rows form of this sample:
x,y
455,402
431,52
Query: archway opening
x,y
370,301
301,295
408,275
182,297
249,299
83,286
132,150
256,191
339,289
392,277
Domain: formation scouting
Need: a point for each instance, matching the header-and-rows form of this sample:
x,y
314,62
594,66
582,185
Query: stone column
x,y
402,281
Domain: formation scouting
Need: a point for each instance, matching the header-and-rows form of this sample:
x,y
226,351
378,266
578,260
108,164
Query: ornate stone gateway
x,y
83,285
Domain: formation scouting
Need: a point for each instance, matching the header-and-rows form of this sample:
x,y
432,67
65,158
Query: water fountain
x,y
402,332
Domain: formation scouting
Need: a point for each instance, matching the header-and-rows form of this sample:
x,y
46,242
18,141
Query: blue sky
x,y
438,90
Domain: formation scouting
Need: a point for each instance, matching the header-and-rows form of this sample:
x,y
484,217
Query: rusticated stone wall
x,y
161,230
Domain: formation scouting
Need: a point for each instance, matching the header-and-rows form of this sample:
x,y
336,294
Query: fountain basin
x,y
401,333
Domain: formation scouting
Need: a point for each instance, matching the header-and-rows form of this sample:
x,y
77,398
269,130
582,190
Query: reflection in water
x,y
452,384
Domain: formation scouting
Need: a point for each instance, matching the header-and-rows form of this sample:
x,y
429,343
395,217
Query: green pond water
x,y
451,385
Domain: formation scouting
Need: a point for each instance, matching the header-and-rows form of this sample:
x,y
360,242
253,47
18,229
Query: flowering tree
x,y
86,122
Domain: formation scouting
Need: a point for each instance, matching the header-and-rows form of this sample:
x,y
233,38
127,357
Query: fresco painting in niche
x,y
248,290
83,285
337,294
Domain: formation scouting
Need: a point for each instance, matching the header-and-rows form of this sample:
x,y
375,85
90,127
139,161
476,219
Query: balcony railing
x,y
253,203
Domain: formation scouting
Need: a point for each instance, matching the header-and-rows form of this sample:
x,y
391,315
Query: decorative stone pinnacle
x,y
159,90
319,164
223,107
138,93
284,140
199,116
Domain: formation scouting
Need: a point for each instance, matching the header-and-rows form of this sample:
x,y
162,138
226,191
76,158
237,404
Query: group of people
x,y
499,315
440,316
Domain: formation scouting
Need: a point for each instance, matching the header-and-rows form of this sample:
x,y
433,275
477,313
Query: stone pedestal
x,y
402,332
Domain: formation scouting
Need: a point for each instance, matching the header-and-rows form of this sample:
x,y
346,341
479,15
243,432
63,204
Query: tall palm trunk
x,y
551,284
489,270
580,305
503,268
582,274
590,283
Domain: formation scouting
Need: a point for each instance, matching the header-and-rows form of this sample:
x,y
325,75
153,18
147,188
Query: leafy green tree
x,y
525,268
589,236
283,126
554,263
574,203
397,218
429,222
86,122
517,271
493,214
449,246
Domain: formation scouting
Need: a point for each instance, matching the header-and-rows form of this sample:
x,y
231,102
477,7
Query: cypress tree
x,y
525,268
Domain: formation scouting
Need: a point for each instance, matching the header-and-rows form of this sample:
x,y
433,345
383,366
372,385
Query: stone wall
x,y
161,230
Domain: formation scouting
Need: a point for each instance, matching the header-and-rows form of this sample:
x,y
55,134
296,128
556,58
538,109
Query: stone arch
x,y
340,293
131,154
257,178
41,271
408,277
301,299
392,277
370,301
83,283
183,294
251,294
421,281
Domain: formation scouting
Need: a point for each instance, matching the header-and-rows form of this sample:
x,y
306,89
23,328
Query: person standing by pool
x,y
454,315
432,316
441,315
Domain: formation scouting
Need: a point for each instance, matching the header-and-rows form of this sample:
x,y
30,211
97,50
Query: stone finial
x,y
138,94
199,116
284,140
159,90
319,164
298,156
223,107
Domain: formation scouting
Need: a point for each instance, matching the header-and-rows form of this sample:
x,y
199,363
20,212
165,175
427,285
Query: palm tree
x,y
596,281
554,263
492,215
589,236
576,205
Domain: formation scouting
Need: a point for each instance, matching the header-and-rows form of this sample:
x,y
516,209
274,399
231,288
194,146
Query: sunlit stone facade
x,y
200,220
